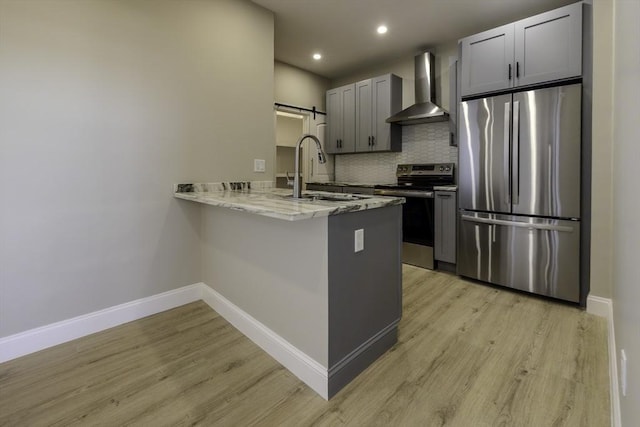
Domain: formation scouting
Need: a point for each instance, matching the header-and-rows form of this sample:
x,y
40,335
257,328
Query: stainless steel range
x,y
415,184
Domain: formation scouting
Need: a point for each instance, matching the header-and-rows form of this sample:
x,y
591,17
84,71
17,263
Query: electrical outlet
x,y
623,372
358,240
259,165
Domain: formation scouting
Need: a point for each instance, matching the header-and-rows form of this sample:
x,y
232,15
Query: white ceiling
x,y
344,31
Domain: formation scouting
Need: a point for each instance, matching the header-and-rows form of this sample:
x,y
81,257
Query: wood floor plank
x,y
467,355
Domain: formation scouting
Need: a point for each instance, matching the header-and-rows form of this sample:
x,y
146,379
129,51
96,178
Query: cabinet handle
x,y
443,196
509,71
373,140
369,141
517,69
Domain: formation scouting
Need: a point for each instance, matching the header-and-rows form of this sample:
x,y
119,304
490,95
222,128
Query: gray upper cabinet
x,y
374,100
487,61
549,46
341,129
364,117
538,49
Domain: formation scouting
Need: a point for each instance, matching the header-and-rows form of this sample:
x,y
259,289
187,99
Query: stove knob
x,y
441,168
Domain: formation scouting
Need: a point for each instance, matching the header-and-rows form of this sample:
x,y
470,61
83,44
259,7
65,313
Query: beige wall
x,y
301,88
404,68
626,202
274,270
105,104
602,137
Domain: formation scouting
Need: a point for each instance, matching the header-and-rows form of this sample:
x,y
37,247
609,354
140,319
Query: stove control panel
x,y
425,169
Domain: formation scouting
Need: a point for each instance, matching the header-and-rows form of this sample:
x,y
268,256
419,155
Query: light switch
x,y
259,165
358,240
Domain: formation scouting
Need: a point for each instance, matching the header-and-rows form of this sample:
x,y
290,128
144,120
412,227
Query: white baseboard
x,y
598,306
47,336
304,367
603,307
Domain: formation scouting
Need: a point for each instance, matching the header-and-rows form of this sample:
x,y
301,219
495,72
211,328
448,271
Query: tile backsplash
x,y
424,143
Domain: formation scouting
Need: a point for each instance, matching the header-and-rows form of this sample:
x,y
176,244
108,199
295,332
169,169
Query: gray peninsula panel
x,y
365,291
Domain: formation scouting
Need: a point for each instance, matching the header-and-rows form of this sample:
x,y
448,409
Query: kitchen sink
x,y
338,197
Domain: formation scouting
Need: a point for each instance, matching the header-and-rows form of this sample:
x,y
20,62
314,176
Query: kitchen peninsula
x,y
316,282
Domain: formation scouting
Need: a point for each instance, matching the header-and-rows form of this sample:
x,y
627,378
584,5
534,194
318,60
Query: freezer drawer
x,y
536,255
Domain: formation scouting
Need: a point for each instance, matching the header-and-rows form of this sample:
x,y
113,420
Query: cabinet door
x,y
386,101
341,114
380,111
334,121
549,46
348,138
364,115
445,226
487,61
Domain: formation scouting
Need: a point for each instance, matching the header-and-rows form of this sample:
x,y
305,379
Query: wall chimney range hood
x,y
424,110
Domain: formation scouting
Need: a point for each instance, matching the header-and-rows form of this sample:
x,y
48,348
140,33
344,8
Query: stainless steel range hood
x,y
424,110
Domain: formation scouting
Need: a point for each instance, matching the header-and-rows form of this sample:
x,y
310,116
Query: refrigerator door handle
x,y
507,119
546,227
515,167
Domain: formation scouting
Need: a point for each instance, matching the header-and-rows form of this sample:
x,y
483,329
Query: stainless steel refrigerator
x,y
519,191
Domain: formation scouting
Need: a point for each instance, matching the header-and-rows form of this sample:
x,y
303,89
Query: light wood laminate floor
x,y
468,355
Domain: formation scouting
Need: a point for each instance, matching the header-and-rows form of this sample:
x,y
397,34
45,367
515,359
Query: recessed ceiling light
x,y
382,29
317,56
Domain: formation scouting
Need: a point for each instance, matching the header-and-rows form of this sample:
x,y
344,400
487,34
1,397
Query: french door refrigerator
x,y
519,191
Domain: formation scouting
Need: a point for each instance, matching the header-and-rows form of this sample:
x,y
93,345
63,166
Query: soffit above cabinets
x,y
344,32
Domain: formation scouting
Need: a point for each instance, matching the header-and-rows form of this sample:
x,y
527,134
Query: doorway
x,y
290,126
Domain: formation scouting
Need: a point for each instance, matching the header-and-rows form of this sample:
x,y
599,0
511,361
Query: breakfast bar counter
x,y
316,282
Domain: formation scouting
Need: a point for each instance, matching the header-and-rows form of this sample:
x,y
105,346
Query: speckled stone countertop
x,y
261,199
445,188
347,184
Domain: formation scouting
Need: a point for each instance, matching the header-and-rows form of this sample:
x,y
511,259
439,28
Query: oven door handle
x,y
405,193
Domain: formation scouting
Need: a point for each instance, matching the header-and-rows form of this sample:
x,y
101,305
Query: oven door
x,y
417,225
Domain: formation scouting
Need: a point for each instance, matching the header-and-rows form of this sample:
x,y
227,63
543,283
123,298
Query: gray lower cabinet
x,y
538,49
445,226
341,131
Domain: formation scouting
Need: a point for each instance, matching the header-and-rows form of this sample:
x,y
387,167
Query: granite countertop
x,y
445,188
346,184
369,185
277,202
